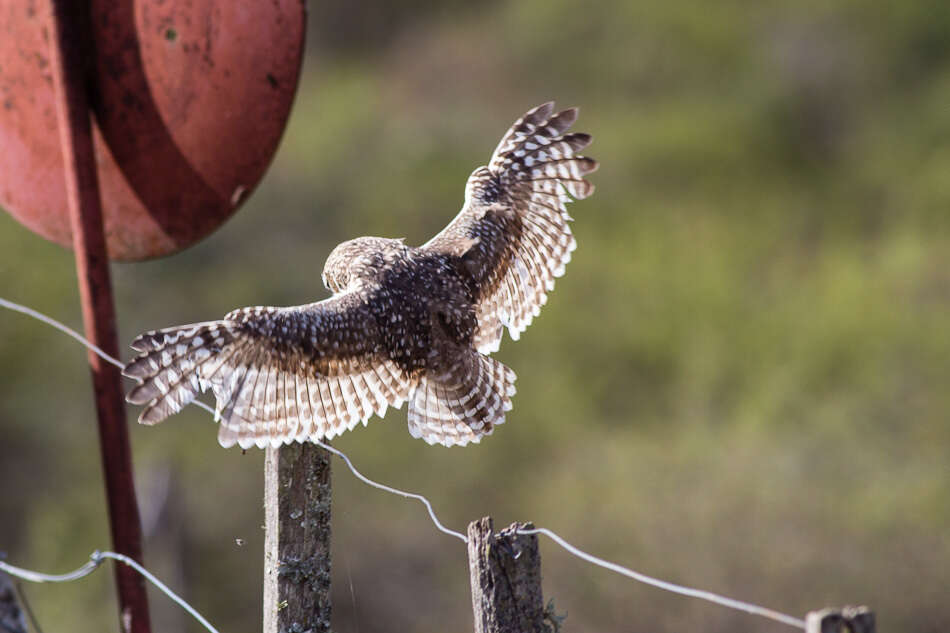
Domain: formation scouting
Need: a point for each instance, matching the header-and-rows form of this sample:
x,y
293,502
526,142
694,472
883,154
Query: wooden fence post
x,y
12,619
505,570
297,498
846,620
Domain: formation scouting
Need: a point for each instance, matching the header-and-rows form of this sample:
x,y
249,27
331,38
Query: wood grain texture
x,y
506,579
846,620
297,499
12,619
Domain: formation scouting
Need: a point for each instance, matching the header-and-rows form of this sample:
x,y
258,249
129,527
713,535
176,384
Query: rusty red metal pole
x,y
70,54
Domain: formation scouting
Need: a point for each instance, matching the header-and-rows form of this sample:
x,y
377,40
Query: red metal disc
x,y
190,100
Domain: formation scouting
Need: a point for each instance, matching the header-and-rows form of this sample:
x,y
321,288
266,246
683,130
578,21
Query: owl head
x,y
360,260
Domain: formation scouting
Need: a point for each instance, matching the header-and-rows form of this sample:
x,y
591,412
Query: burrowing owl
x,y
404,323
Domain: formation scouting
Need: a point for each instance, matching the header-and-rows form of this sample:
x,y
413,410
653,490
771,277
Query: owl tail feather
x,y
175,364
462,404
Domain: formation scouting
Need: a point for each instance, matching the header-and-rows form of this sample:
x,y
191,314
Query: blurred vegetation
x,y
740,384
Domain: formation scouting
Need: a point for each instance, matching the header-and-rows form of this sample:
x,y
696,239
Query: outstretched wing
x,y
512,233
278,374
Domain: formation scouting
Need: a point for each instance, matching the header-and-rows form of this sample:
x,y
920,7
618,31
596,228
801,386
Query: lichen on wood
x,y
297,499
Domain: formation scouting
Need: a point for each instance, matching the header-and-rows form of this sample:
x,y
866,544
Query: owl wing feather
x,y
512,234
278,374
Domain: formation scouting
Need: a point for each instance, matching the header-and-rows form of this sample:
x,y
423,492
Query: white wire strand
x,y
35,576
629,573
374,484
95,560
39,316
395,491
668,586
158,583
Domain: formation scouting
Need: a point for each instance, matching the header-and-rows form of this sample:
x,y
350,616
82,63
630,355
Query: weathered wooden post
x,y
846,620
297,497
12,619
506,579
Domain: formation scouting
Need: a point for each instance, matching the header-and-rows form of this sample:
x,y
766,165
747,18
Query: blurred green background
x,y
741,384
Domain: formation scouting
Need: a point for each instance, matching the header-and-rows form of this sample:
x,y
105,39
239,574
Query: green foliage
x,y
740,384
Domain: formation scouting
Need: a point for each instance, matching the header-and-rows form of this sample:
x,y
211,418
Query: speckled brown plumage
x,y
404,323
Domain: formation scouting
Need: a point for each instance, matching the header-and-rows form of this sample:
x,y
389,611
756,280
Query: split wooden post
x,y
846,620
505,570
297,497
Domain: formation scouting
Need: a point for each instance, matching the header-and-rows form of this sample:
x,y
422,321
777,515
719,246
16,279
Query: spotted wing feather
x,y
462,404
512,234
278,374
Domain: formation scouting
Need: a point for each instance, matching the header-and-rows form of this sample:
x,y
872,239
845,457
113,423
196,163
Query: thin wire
x,y
95,560
39,316
35,576
395,491
629,573
373,483
158,583
669,586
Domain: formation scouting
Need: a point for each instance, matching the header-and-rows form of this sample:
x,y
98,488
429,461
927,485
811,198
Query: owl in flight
x,y
404,323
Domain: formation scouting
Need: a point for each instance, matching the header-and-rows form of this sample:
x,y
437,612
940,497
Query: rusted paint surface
x,y
69,49
190,100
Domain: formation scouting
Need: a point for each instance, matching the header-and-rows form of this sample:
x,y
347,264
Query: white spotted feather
x,y
515,213
405,324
